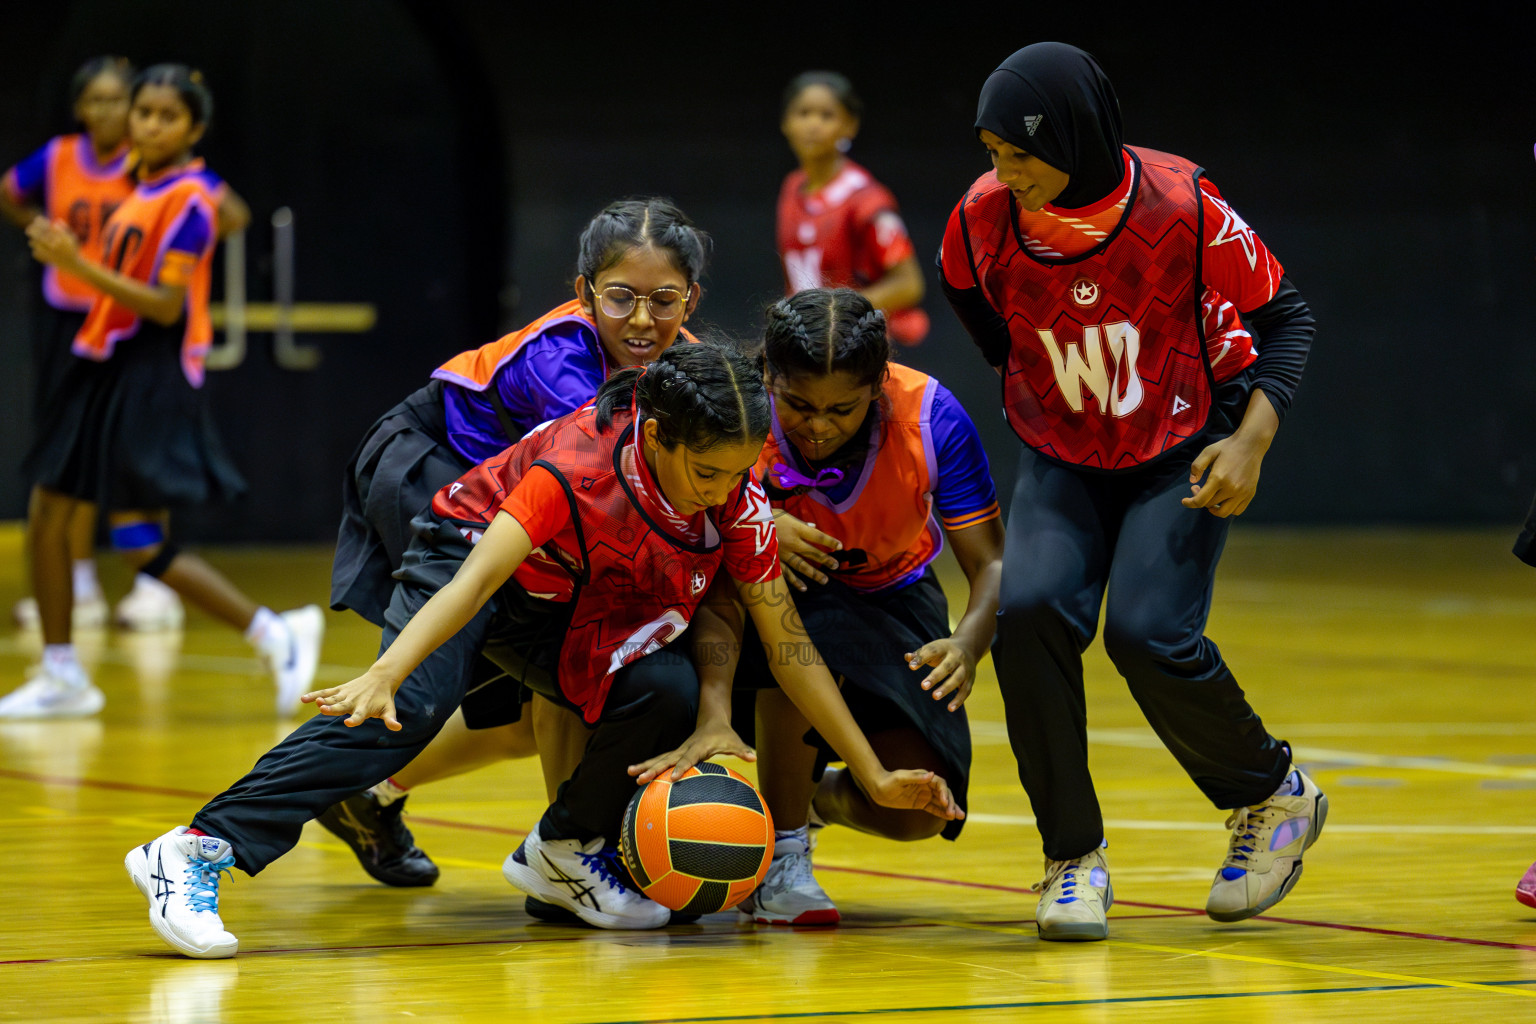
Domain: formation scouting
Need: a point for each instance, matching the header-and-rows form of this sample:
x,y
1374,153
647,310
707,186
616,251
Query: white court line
x,y
993,732
1139,825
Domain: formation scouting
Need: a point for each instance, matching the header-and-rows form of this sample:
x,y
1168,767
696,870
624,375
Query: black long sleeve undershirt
x,y
1284,327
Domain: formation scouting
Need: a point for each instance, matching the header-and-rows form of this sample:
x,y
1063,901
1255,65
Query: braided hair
x,y
700,396
822,331
648,221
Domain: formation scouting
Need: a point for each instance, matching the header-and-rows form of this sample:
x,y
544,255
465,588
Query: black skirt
x,y
131,432
54,333
862,638
402,461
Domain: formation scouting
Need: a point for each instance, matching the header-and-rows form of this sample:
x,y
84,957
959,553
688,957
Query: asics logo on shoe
x,y
581,892
163,889
365,836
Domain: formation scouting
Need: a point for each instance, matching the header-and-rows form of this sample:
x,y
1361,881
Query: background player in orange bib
x,y
638,269
582,552
870,466
837,226
1085,270
131,432
80,179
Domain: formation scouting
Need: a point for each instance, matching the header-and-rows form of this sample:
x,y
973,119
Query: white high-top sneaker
x,y
583,878
179,876
293,661
790,893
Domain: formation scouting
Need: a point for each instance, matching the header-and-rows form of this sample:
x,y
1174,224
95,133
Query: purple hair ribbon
x,y
789,477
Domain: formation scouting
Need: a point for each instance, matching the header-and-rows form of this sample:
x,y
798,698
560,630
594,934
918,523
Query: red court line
x,y
59,780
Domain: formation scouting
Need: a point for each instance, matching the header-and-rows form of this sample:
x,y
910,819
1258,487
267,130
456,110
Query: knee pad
x,y
133,536
162,561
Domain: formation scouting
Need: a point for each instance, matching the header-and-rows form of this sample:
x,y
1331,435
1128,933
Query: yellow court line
x,y
1269,961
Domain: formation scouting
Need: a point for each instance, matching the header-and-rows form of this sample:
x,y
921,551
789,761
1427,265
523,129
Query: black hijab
x,y
1054,102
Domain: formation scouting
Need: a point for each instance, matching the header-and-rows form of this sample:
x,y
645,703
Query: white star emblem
x,y
1233,228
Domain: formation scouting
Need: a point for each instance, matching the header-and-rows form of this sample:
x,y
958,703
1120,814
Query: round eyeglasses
x,y
662,304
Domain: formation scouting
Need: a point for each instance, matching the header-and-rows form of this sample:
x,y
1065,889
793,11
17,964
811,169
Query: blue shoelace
x,y
203,882
605,865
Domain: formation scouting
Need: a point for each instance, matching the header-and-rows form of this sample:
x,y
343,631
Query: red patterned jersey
x,y
1116,348
635,569
846,234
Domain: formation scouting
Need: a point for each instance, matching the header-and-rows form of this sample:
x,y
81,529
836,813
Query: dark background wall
x,y
441,158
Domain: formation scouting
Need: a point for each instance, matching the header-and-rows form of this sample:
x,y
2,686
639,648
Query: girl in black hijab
x,y
1102,282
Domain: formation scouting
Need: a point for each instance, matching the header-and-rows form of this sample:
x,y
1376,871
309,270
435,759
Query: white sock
x,y
87,587
387,792
59,661
268,633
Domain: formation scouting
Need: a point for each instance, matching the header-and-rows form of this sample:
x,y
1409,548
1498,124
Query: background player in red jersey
x,y
131,431
79,180
837,226
1082,268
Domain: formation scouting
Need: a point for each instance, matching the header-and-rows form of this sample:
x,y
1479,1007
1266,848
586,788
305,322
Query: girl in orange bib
x,y
870,466
132,432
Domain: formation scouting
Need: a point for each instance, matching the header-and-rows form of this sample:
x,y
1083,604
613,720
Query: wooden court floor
x,y
1401,665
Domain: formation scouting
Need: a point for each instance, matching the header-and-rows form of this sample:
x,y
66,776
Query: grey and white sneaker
x,y
584,878
53,693
179,876
1075,897
789,893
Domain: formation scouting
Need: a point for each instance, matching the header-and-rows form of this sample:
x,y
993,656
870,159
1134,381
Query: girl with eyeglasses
x,y
837,226
870,467
582,553
638,267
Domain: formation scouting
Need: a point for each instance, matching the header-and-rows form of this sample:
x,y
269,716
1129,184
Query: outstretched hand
x,y
705,743
913,790
368,696
954,669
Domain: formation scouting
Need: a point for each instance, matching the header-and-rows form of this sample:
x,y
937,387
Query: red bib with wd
x,y
1108,367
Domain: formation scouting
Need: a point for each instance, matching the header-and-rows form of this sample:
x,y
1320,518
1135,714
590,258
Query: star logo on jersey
x,y
1085,292
698,582
1234,229
757,515
1179,405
